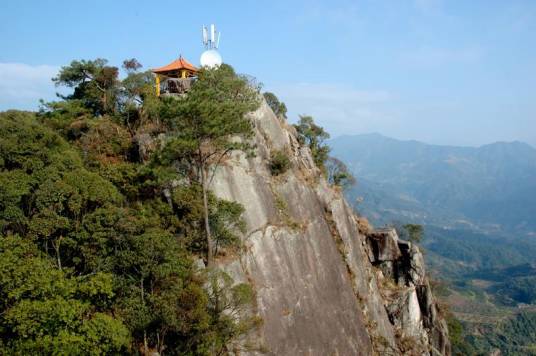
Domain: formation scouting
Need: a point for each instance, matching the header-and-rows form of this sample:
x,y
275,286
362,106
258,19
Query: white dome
x,y
210,58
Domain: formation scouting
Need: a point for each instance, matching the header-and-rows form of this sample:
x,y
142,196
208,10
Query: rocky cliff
x,y
325,282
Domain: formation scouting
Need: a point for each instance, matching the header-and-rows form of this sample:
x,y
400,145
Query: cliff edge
x,y
325,282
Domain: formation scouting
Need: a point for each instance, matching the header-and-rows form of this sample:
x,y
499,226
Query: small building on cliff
x,y
175,78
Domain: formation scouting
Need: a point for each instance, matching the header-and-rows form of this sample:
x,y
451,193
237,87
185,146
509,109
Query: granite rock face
x,y
325,284
408,298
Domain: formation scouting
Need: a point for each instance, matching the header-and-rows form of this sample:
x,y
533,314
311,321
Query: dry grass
x,y
284,214
363,225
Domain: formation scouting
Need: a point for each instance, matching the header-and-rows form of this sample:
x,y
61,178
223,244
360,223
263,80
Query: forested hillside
x,y
101,235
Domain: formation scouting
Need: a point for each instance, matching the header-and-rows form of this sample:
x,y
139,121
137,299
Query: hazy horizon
x,y
440,72
427,143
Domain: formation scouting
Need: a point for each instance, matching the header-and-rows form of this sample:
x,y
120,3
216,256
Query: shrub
x,y
279,108
338,174
279,162
415,232
313,136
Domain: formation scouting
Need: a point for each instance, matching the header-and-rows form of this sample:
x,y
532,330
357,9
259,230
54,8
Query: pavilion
x,y
175,78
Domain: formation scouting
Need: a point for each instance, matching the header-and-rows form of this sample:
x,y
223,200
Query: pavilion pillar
x,y
157,80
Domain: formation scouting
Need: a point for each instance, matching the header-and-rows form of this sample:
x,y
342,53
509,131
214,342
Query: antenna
x,y
205,36
212,34
211,40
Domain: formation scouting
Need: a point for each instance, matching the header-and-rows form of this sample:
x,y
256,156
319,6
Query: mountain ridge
x,y
377,135
476,205
490,184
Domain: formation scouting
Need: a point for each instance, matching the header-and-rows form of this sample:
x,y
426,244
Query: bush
x,y
409,232
313,136
415,232
279,108
279,162
338,174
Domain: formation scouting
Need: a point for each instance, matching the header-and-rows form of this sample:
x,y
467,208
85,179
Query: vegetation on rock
x,y
279,162
409,232
338,174
204,126
278,107
313,136
103,217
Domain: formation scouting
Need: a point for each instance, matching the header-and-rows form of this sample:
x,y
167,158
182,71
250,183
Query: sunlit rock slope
x,y
326,283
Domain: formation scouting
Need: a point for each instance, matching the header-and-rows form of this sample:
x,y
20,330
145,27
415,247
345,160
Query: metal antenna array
x,y
213,41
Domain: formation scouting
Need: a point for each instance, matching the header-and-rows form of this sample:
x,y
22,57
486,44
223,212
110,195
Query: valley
x,y
476,207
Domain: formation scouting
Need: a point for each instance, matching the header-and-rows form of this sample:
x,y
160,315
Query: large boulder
x,y
383,245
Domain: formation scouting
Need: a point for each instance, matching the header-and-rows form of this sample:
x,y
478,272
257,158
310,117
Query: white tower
x,y
211,57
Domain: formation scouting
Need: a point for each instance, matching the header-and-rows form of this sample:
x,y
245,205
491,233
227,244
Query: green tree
x,y
409,232
43,311
153,259
313,136
205,125
415,232
225,218
94,82
228,305
225,223
60,205
279,162
131,65
96,252
46,190
279,108
104,141
50,198
65,117
338,173
137,101
159,294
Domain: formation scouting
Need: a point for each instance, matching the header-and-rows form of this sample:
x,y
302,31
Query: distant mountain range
x,y
478,208
487,188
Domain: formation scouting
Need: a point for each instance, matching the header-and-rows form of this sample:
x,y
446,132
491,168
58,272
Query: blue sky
x,y
447,72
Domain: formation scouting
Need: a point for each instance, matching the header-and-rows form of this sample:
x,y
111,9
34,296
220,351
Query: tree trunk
x,y
57,249
145,346
210,247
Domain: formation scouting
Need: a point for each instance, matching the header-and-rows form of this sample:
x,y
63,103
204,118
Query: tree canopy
x,y
278,107
338,174
207,124
93,81
100,248
312,135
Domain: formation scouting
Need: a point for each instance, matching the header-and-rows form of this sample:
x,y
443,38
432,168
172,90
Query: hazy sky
x,y
448,72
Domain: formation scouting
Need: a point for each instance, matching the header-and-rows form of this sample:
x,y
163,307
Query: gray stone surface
x,y
316,289
383,245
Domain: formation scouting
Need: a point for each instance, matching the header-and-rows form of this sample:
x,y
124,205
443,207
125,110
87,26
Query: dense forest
x,y
513,336
107,220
